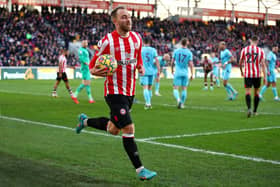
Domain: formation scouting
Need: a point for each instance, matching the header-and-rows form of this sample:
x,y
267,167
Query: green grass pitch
x,y
209,143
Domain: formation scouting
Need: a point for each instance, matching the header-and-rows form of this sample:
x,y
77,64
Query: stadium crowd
x,y
34,39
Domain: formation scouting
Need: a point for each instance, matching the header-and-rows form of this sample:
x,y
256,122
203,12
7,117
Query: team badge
x,y
122,111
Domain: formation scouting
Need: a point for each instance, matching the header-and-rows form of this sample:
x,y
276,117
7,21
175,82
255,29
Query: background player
x,y
226,60
84,60
149,56
182,59
207,68
254,59
216,66
125,46
61,73
271,77
163,61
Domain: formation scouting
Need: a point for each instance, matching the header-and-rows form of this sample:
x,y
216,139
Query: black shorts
x,y
120,106
207,71
64,77
249,82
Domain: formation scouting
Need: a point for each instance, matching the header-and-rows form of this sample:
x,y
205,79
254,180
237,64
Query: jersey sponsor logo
x,y
127,62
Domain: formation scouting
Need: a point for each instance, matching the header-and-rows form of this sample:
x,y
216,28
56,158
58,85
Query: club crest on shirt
x,y
122,111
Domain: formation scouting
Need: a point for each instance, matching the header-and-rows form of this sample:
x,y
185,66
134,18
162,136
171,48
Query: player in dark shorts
x,y
207,68
61,73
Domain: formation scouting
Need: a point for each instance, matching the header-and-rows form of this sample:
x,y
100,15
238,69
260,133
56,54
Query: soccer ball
x,y
107,62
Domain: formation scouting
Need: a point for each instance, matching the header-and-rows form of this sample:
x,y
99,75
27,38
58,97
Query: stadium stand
x,y
31,39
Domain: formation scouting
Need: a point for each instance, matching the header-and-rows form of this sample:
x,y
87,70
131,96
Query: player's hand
x,y
99,72
242,74
191,77
141,70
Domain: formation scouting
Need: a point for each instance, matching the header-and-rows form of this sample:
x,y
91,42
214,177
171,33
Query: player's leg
x,y
216,77
88,89
184,93
257,84
151,80
211,81
66,82
205,80
232,93
58,79
144,82
176,84
248,85
274,91
157,86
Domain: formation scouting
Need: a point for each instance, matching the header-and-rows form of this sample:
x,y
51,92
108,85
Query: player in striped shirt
x,y
271,76
149,56
119,88
226,60
61,73
253,59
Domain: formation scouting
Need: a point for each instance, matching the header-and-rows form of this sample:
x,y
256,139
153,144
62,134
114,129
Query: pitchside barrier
x,y
49,73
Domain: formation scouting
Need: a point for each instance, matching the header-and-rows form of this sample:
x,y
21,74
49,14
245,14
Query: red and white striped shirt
x,y
62,60
252,56
127,52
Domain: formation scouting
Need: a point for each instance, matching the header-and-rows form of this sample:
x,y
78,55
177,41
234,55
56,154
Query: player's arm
x,y
264,69
241,61
191,67
139,65
172,65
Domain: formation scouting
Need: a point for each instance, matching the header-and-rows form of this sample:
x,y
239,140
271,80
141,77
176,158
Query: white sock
x,y
138,170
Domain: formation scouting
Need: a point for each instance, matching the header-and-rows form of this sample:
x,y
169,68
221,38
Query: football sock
x,y
228,91
248,101
70,91
151,94
263,90
88,89
157,87
274,90
218,82
231,88
147,96
98,123
131,150
79,89
211,84
176,94
184,96
256,102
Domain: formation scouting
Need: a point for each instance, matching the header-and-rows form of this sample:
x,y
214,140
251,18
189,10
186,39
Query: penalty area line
x,y
255,159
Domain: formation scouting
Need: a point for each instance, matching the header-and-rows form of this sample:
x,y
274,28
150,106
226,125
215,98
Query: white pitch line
x,y
211,133
157,104
255,159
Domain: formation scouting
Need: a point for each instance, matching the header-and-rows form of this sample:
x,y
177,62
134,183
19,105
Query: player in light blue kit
x,y
216,66
226,60
149,56
163,60
182,59
271,77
